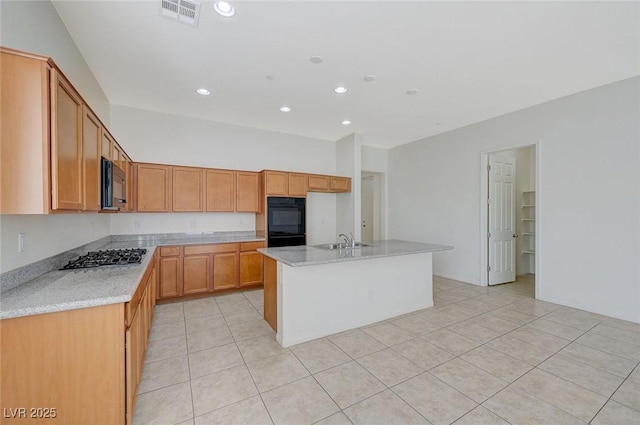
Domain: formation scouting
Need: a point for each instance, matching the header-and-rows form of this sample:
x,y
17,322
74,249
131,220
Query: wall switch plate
x,y
22,242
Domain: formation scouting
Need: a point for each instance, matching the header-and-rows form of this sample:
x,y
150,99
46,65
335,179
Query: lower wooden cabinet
x,y
196,269
78,366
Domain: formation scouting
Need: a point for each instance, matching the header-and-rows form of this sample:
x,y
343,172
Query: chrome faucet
x,y
350,242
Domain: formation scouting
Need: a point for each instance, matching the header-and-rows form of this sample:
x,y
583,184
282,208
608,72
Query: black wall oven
x,y
286,222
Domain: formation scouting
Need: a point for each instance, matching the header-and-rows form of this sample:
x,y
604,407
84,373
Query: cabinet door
x,y
196,277
277,183
107,145
251,268
153,183
188,189
130,205
170,277
91,150
118,154
225,270
317,183
248,192
297,184
221,190
340,184
66,146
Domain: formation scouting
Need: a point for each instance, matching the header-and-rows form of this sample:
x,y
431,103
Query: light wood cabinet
x,y
318,183
170,269
92,149
85,363
107,143
340,184
187,189
196,274
131,203
66,146
153,188
221,190
225,270
271,292
277,183
251,263
297,184
247,191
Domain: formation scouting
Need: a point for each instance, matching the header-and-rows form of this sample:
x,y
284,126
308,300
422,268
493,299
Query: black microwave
x,y
113,187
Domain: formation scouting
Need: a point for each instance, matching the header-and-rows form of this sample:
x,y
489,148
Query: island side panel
x,y
270,292
320,300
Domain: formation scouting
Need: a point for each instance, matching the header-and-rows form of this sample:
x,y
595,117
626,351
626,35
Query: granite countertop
x,y
60,290
297,256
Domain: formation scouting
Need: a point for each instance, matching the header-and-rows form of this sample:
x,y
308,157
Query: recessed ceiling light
x,y
285,109
316,59
411,92
346,122
203,92
223,8
369,78
340,90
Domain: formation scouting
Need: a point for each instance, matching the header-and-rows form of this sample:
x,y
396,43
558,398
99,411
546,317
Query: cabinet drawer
x,y
251,246
169,251
199,249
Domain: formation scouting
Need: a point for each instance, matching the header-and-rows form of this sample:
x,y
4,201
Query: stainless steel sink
x,y
334,246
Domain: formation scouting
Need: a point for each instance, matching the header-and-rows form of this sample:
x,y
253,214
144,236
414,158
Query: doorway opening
x,y
372,220
508,215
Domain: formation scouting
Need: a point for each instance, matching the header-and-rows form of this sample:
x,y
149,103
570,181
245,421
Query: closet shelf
x,y
528,252
528,206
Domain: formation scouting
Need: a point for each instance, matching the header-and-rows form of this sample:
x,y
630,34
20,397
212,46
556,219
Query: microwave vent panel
x,y
187,11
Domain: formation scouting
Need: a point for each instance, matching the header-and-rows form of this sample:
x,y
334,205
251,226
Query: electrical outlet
x,y
193,224
22,242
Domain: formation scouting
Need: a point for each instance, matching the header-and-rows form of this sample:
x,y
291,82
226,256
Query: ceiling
x,y
469,61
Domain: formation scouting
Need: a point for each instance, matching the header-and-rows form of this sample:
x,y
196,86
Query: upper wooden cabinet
x,y
153,187
318,183
276,183
187,189
51,143
67,183
221,190
297,184
92,149
247,191
340,184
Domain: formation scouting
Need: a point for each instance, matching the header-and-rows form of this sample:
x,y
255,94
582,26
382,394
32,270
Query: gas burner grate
x,y
111,257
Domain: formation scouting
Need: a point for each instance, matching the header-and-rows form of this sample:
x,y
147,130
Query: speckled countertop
x,y
72,289
296,256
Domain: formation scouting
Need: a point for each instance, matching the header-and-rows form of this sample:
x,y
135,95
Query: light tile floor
x,y
480,356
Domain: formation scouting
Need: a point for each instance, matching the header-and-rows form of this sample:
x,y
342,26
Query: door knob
x,y
515,235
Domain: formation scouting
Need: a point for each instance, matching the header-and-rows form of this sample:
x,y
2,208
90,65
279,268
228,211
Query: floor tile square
x,y
553,328
586,376
488,320
630,335
211,392
519,407
496,363
385,408
599,359
618,414
474,332
571,398
167,330
246,412
435,400
214,359
209,339
164,373
532,354
575,318
169,405
320,354
415,324
349,383
337,419
275,371
252,329
470,380
480,416
388,334
539,338
299,403
450,341
166,348
438,318
168,313
357,343
389,367
628,394
422,353
201,308
610,345
204,324
242,315
258,348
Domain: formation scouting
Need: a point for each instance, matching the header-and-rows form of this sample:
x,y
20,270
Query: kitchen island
x,y
312,292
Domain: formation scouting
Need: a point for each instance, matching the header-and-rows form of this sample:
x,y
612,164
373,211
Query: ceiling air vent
x,y
187,11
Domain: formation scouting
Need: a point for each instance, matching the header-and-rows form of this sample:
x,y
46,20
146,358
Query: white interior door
x,y
502,229
367,205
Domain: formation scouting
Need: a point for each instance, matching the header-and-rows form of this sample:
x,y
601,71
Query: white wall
x,y
348,164
35,26
588,196
171,139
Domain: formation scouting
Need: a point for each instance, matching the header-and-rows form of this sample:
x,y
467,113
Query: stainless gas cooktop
x,y
112,257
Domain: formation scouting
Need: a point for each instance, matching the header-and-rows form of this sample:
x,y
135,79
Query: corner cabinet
x,y
85,363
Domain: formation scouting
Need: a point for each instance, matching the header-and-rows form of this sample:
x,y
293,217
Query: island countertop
x,y
310,255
